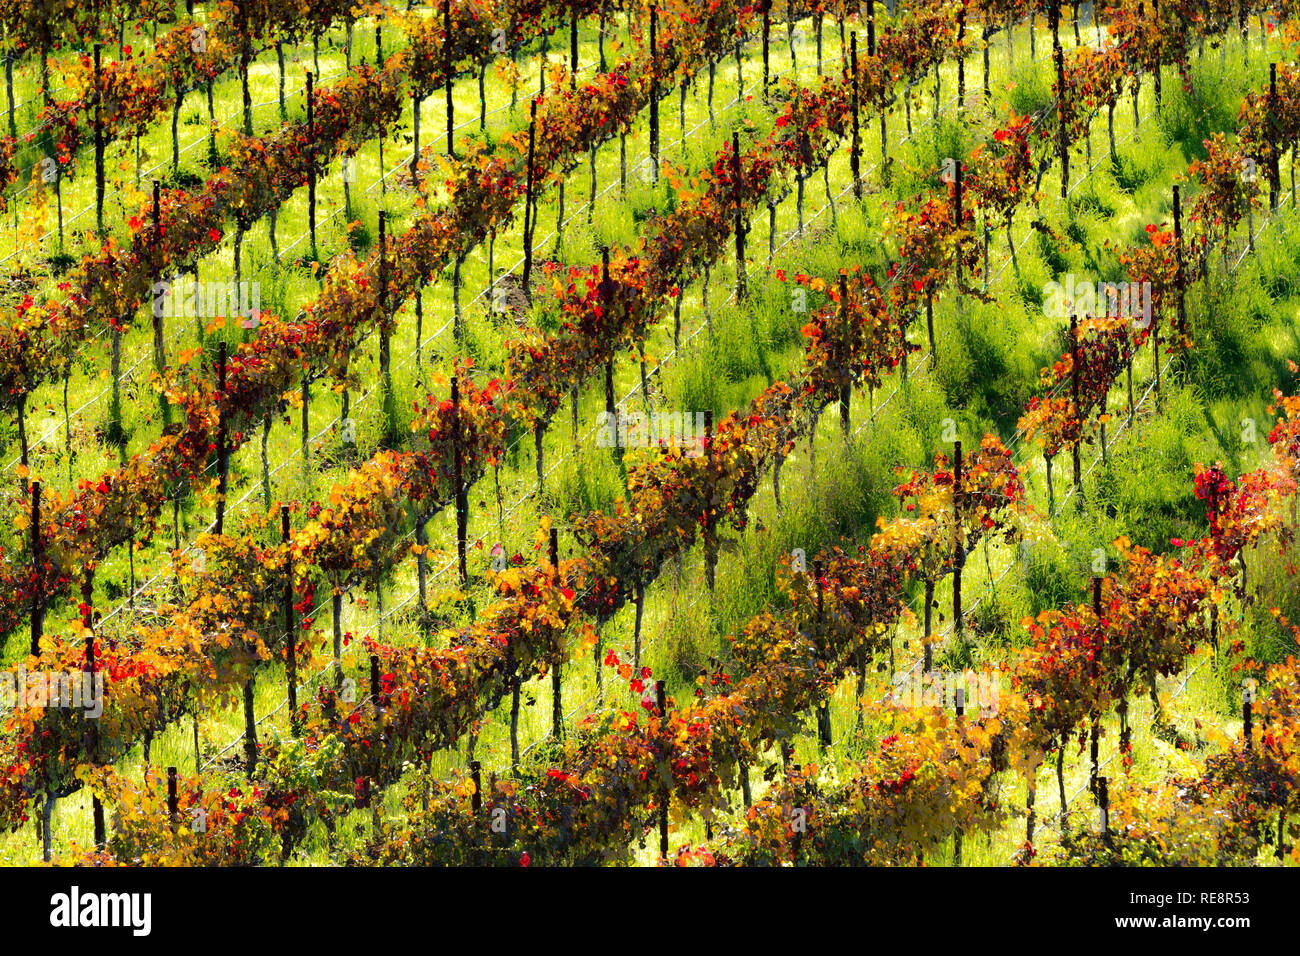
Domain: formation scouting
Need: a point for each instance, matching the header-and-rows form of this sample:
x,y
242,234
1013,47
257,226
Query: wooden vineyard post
x,y
245,56
961,59
1178,260
59,202
415,145
1137,90
639,597
740,71
855,144
336,609
573,49
766,7
928,625
823,708
159,346
222,451
279,56
557,700
88,622
223,470
116,435
938,86
771,231
385,349
1103,805
987,35
1155,74
392,433
99,148
250,728
961,725
591,192
539,433
1031,814
482,96
661,702
1075,361
1243,24
1062,147
516,686
654,93
884,121
176,118
741,294
447,45
600,37
713,78
458,478
21,419
958,547
958,219
10,56
529,215
573,86
306,435
805,160
929,321
1094,731
846,386
476,774
311,169
380,135
711,525
290,632
544,63
1247,721
795,772
173,802
1274,177
38,571
458,330
1155,355
611,407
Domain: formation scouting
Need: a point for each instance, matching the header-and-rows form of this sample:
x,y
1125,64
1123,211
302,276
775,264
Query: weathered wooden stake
x,y
222,450
741,294
311,173
528,202
654,93
661,702
557,700
290,631
38,571
448,76
855,146
458,478
959,551
173,814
